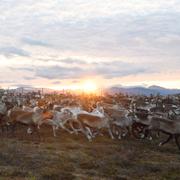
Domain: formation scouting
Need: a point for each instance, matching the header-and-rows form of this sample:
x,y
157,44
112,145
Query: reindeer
x,y
169,127
94,121
123,121
30,119
4,108
59,119
74,111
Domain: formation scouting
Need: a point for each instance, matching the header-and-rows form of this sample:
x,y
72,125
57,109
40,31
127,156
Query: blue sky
x,y
61,42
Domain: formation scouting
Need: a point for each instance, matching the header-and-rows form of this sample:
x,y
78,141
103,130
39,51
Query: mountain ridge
x,y
138,90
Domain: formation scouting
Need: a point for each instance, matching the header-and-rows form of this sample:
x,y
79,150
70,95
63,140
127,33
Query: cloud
x,y
56,82
104,69
63,39
6,81
34,42
11,51
31,69
100,28
117,69
75,81
58,72
29,78
73,61
22,85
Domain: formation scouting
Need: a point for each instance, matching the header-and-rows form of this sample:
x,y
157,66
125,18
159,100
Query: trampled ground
x,y
73,157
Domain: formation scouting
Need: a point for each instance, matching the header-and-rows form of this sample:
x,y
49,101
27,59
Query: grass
x,y
73,157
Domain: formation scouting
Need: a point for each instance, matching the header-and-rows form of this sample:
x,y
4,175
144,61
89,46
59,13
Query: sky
x,y
62,43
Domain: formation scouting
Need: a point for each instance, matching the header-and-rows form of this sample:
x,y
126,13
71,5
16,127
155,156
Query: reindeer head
x,y
68,112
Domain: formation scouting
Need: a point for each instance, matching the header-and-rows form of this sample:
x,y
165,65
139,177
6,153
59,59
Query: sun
x,y
89,86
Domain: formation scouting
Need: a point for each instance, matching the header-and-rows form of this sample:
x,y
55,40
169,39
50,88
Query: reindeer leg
x,y
54,130
2,129
40,123
126,131
85,131
176,139
88,134
80,126
119,133
146,132
53,124
110,132
63,127
7,128
158,134
88,137
37,132
114,130
97,132
129,131
89,131
13,129
150,135
72,127
167,140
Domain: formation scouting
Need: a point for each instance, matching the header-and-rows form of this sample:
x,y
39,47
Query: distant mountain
x,y
143,90
132,90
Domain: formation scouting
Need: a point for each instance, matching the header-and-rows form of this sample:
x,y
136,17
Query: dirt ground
x,y
25,157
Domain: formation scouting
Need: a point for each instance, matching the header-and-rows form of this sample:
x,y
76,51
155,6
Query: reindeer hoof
x,y
150,138
142,136
160,144
124,134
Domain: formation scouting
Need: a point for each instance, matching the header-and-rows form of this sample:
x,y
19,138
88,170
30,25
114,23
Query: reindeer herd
x,y
116,115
